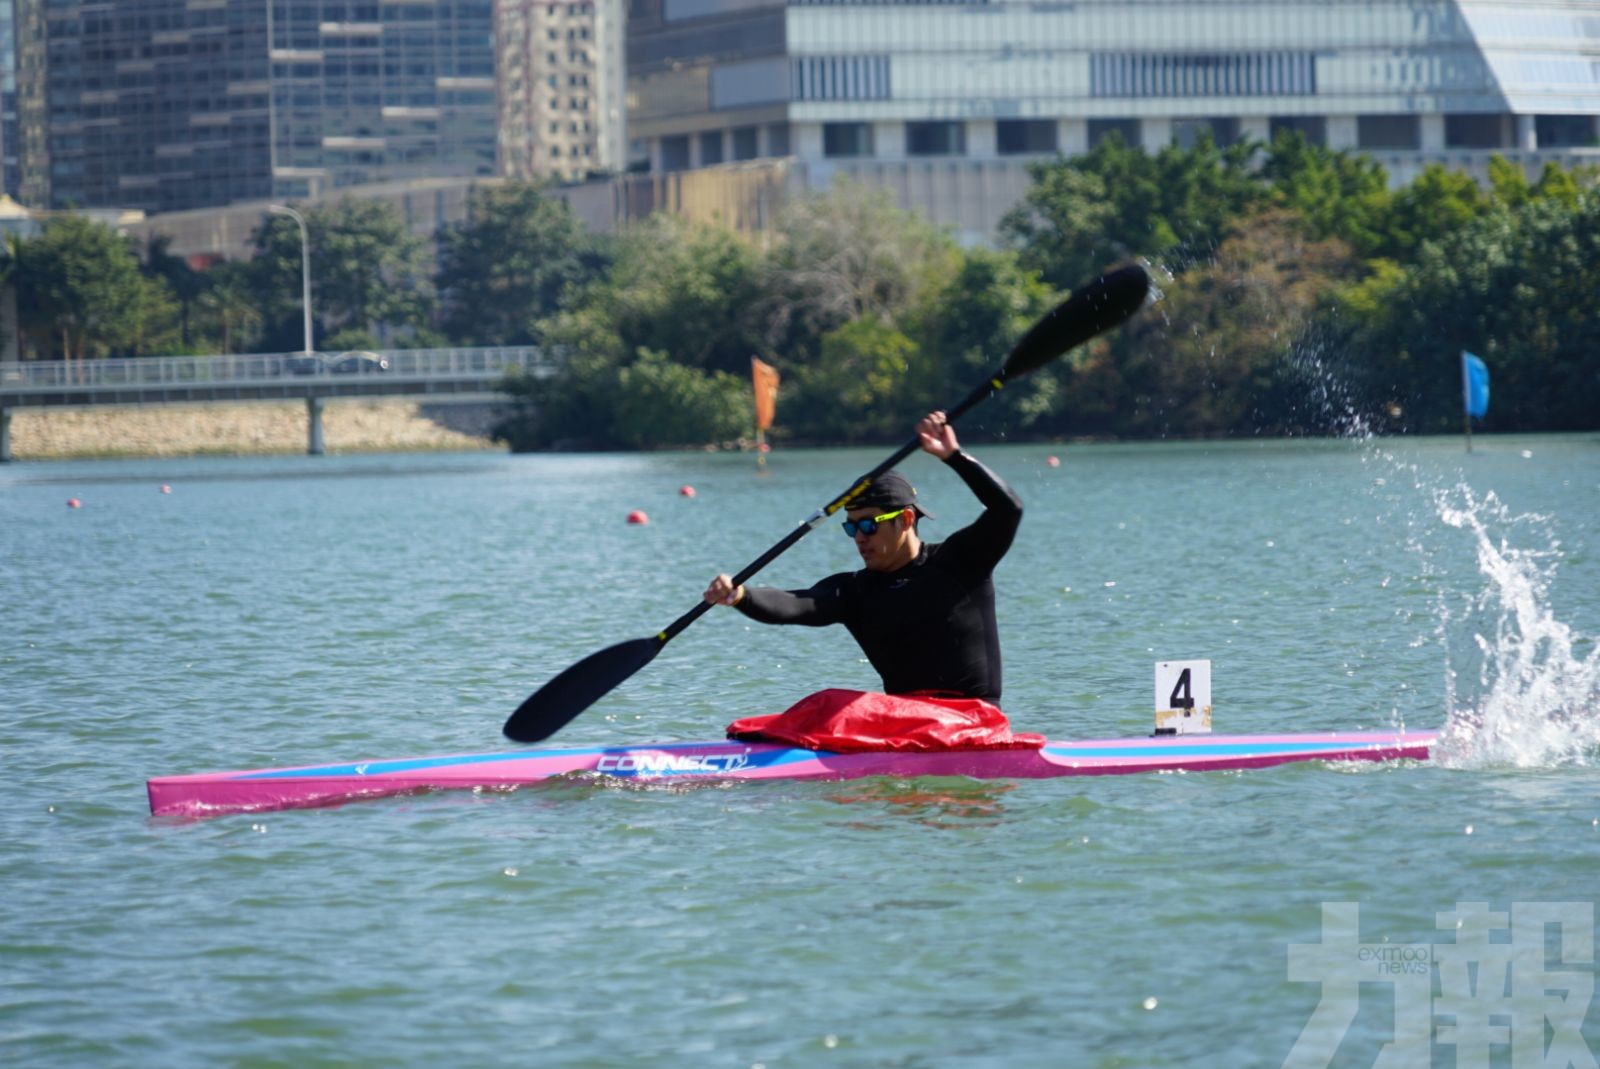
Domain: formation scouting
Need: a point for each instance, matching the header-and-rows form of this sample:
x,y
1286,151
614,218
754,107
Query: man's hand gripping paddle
x,y
1106,302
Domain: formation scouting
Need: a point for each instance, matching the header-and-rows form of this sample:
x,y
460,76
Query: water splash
x,y
1537,693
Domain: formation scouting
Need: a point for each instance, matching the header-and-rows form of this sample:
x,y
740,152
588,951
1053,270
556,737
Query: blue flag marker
x,y
1475,385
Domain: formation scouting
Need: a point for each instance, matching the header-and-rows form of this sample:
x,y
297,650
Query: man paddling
x,y
922,612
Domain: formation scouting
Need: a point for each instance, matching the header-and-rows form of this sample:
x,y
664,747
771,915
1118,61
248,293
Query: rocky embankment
x,y
356,426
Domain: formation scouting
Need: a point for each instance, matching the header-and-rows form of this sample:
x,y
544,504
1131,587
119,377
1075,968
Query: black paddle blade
x,y
549,708
1106,302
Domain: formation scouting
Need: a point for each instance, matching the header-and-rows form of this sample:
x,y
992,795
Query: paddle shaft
x,y
816,519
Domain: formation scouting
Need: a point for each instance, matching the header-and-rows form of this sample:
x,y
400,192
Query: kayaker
x,y
922,612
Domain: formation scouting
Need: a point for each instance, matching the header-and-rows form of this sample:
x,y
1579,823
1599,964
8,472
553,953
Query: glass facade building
x,y
165,105
886,80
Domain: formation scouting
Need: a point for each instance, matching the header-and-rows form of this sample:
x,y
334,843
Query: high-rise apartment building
x,y
10,177
948,100
562,85
172,104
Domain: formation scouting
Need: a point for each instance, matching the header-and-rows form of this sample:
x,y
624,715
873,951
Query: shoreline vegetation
x,y
1301,294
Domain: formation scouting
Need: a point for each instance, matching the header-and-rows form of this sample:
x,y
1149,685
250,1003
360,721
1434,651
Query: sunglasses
x,y
868,525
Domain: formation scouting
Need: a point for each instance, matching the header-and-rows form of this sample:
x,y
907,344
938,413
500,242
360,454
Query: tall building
x,y
947,101
165,105
562,86
10,177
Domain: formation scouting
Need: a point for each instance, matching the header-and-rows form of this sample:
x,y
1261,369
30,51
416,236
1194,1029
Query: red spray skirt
x,y
855,721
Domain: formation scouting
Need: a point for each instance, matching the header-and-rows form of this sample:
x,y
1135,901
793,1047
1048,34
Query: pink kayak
x,y
260,790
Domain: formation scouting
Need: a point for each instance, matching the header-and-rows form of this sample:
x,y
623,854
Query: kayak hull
x,y
262,790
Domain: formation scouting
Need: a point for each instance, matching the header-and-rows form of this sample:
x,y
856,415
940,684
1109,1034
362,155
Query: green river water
x,y
300,610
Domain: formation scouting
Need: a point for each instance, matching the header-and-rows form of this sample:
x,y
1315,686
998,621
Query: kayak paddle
x,y
1105,303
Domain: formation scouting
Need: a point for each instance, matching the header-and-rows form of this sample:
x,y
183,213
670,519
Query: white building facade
x,y
562,87
947,102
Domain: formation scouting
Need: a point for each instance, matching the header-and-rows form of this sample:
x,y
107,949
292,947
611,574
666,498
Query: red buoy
x,y
1053,461
165,489
74,503
637,516
685,491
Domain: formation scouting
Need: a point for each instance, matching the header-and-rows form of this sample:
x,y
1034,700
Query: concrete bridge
x,y
437,374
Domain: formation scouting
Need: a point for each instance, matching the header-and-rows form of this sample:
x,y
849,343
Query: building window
x,y
846,139
778,139
1247,74
710,148
1185,132
746,143
1314,128
1388,132
1126,129
840,77
675,153
1566,131
1025,137
1475,131
936,139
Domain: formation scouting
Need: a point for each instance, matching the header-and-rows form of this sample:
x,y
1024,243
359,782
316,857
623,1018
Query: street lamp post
x,y
305,266
314,440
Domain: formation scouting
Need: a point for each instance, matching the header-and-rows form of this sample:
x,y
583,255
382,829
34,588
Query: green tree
x,y
964,331
1173,205
677,287
1335,194
1223,354
513,262
661,403
846,254
851,392
1517,287
80,293
1436,203
368,272
226,308
184,283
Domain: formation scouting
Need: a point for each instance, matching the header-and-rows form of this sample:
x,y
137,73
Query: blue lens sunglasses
x,y
868,525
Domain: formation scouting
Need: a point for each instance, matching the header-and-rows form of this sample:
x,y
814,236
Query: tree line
x,y
1301,294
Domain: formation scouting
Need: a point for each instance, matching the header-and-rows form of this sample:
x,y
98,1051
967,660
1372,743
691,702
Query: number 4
x,y
1182,693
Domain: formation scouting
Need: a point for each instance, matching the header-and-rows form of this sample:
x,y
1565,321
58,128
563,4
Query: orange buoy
x,y
638,517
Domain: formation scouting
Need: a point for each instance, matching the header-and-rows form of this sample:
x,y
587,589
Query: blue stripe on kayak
x,y
777,758
766,759
1219,749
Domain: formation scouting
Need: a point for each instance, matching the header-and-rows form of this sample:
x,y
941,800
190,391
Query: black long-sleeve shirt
x,y
928,626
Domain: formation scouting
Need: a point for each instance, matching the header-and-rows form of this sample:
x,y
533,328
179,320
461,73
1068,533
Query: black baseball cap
x,y
888,492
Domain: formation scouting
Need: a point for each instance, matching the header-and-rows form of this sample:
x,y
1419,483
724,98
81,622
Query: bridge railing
x,y
156,371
